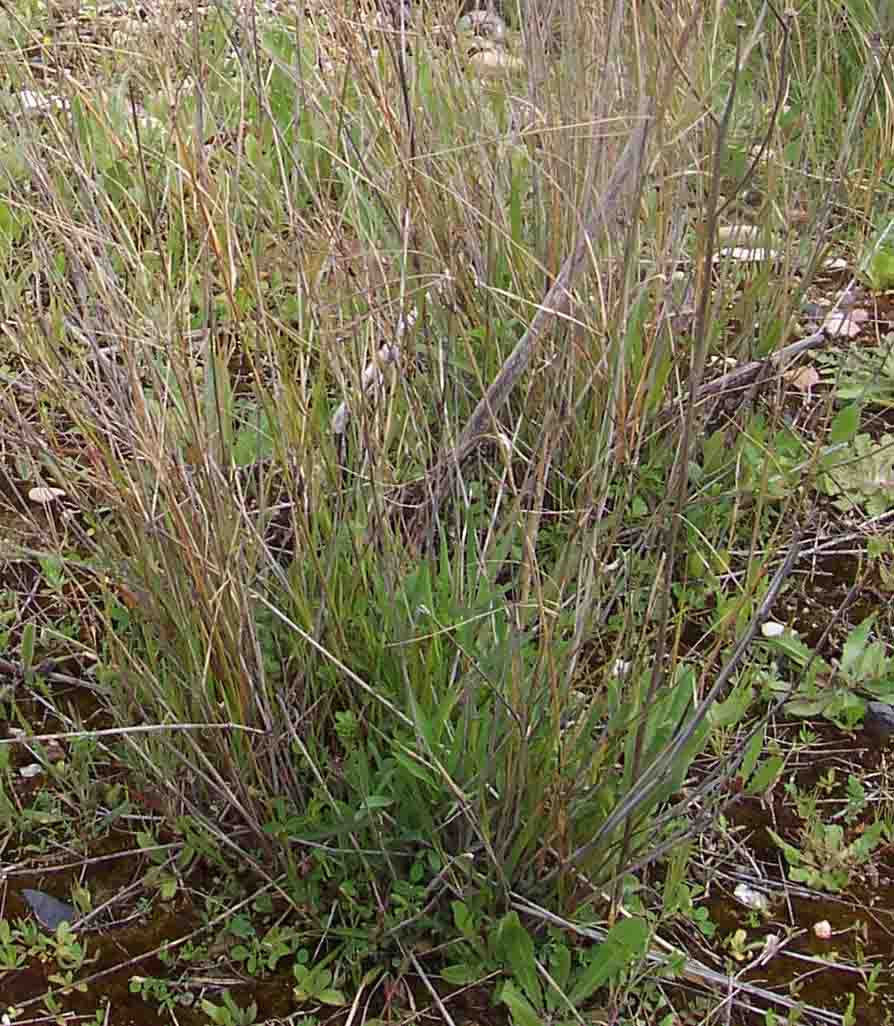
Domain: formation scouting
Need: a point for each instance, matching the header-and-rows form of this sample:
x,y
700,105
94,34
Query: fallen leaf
x,y
845,323
45,495
491,61
805,379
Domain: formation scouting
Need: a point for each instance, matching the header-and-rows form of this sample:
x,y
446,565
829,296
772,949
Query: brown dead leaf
x,y
44,496
845,323
491,61
805,379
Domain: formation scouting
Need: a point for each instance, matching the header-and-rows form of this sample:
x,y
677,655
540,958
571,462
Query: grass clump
x,y
410,570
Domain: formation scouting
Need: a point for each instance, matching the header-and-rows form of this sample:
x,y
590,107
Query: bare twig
x,y
745,375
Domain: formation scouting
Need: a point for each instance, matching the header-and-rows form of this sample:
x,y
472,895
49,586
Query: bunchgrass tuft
x,y
261,274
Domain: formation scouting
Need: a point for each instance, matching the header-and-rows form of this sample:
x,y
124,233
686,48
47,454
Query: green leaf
x,y
519,1008
856,643
560,970
866,843
715,452
216,1013
674,887
882,689
460,975
791,853
881,269
855,648
517,190
844,426
846,709
624,944
752,754
219,403
792,647
27,649
413,767
462,919
808,707
766,775
464,922
515,946
376,801
251,445
730,712
331,997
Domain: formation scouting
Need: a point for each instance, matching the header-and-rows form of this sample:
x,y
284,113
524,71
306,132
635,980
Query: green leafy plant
x,y
550,985
157,990
769,459
863,374
13,953
477,954
262,954
27,939
838,693
315,982
229,1013
682,902
825,859
861,475
69,950
567,984
877,266
335,698
65,980
857,798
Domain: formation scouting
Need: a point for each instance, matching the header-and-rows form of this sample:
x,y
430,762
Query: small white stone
x,y
823,929
772,629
